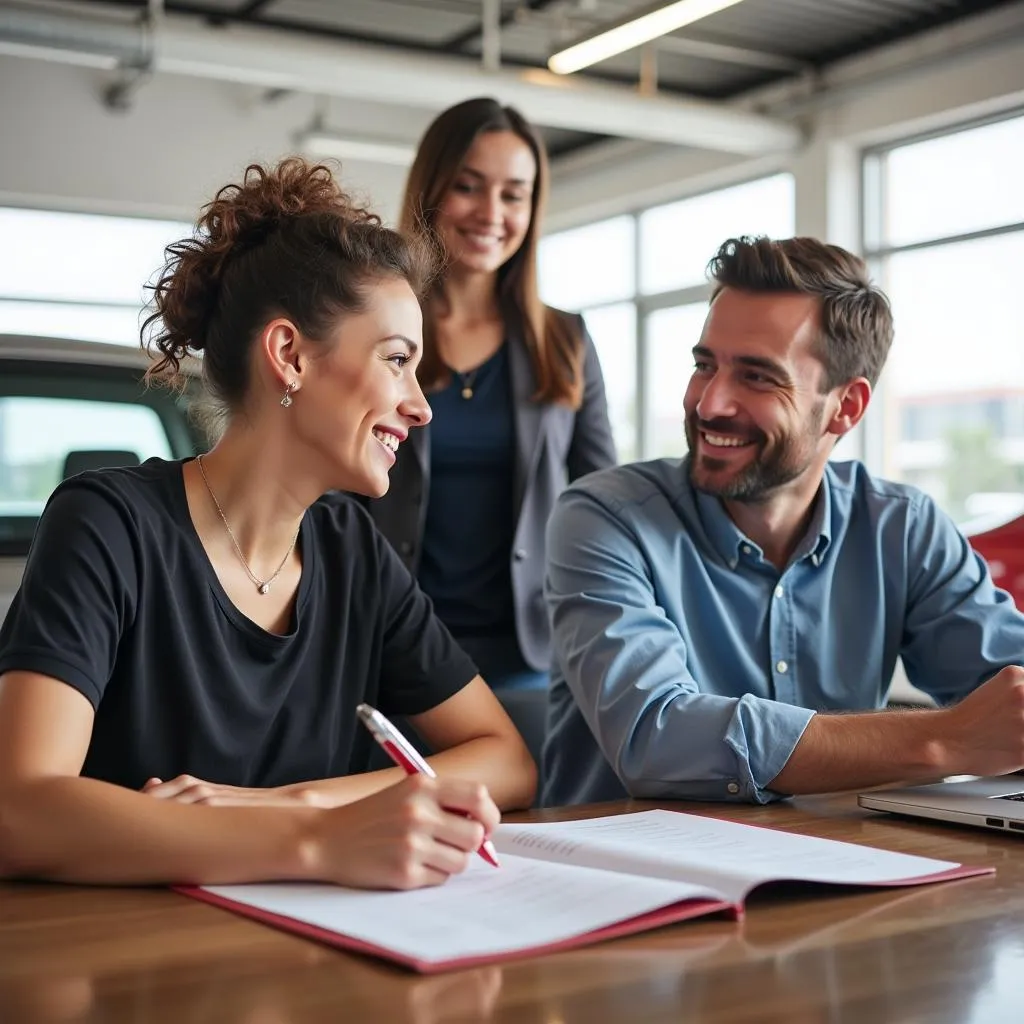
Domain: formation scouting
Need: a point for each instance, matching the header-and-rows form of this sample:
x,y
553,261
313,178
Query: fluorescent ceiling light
x,y
634,32
321,143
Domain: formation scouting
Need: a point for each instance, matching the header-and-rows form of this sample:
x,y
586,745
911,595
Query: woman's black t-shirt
x,y
120,601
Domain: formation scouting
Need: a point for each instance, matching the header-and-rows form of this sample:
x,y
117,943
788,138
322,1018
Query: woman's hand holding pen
x,y
413,834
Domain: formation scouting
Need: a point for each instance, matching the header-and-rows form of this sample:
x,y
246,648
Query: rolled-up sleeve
x,y
665,733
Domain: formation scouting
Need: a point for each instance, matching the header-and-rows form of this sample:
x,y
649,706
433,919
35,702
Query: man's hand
x,y
984,733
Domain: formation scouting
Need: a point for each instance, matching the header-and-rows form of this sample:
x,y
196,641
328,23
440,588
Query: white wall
x,y
61,148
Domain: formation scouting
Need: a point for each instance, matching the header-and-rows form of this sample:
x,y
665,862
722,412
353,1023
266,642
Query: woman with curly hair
x,y
180,670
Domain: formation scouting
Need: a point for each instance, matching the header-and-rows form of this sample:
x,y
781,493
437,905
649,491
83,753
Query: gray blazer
x,y
554,444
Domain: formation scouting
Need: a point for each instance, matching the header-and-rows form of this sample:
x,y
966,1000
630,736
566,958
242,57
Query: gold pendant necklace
x,y
263,586
467,380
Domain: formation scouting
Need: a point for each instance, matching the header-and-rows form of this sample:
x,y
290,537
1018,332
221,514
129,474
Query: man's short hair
x,y
856,320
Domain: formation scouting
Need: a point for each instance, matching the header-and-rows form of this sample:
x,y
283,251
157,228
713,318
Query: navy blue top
x,y
470,521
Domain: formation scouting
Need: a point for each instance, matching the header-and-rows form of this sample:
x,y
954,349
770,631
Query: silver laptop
x,y
996,803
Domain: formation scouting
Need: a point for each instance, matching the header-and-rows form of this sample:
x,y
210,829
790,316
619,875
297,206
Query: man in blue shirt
x,y
712,615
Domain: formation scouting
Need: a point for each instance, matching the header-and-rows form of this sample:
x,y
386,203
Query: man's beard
x,y
769,469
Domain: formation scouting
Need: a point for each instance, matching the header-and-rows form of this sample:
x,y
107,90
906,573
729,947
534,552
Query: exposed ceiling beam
x,y
218,17
279,60
249,9
379,74
455,43
740,55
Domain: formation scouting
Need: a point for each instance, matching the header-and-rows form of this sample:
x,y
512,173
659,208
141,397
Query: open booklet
x,y
565,884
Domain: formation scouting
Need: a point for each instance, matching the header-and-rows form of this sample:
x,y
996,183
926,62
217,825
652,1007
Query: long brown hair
x,y
551,337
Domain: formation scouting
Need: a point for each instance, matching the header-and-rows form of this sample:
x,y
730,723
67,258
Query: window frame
x,y
877,252
872,192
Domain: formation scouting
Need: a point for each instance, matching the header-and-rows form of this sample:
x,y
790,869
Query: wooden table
x,y
952,952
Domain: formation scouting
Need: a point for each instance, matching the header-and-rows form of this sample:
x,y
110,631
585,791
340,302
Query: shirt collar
x,y
731,543
816,540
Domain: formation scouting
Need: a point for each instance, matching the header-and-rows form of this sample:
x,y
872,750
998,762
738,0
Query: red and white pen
x,y
407,757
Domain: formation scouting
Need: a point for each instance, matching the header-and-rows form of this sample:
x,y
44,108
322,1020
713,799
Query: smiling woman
x,y
180,669
516,393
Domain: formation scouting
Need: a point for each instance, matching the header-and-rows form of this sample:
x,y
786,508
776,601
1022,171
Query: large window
x,y
613,329
639,281
671,334
591,270
944,230
71,275
676,241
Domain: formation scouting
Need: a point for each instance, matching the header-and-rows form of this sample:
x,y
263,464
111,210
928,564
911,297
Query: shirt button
x,y
519,554
405,547
746,549
733,788
781,667
779,591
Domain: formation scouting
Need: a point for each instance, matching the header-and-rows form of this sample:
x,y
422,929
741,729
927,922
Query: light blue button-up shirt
x,y
696,665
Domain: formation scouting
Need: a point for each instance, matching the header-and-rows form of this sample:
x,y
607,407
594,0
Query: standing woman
x,y
181,667
514,386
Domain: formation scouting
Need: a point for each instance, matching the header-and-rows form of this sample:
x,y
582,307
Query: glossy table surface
x,y
950,952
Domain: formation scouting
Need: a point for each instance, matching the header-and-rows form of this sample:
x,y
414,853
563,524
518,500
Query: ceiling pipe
x,y
490,39
71,37
281,60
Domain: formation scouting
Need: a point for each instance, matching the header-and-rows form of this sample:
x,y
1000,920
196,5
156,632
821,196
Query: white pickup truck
x,y
66,406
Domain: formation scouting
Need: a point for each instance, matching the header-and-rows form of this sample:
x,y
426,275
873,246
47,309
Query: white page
x,y
723,855
484,911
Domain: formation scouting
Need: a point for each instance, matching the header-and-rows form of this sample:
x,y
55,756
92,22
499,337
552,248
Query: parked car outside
x,y
66,406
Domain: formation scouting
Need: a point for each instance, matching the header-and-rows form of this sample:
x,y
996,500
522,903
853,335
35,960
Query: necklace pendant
x,y
264,588
467,393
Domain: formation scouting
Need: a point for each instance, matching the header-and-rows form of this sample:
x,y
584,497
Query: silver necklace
x,y
263,586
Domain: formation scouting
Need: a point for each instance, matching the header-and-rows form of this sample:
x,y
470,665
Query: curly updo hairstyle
x,y
288,242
